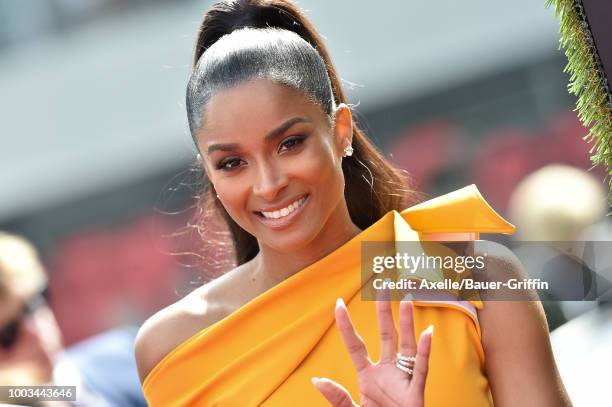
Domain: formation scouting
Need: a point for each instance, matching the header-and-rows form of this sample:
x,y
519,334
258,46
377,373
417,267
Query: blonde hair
x,y
557,202
21,271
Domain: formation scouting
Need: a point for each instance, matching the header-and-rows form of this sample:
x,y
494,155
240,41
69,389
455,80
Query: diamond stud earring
x,y
348,151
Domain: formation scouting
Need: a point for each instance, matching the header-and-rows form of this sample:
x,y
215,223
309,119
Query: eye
x,y
228,164
293,142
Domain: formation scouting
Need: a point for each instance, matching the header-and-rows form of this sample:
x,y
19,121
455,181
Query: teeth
x,y
285,211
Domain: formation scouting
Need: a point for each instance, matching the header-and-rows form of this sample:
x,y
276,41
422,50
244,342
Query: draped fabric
x,y
266,352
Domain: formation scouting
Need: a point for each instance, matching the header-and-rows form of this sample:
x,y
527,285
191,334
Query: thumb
x,y
337,395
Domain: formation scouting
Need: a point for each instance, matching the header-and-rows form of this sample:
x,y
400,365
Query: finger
x,y
352,340
407,342
386,327
337,395
421,366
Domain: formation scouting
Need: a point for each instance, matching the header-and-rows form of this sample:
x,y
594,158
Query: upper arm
x,y
518,356
148,347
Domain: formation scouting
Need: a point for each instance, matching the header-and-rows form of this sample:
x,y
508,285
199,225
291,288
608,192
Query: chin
x,y
289,241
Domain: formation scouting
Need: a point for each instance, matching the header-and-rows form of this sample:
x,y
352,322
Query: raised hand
x,y
389,382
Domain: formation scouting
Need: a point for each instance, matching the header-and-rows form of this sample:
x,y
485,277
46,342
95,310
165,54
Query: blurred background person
x,y
31,351
30,341
564,208
557,204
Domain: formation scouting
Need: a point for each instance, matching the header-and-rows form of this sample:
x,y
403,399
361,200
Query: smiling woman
x,y
269,50
299,187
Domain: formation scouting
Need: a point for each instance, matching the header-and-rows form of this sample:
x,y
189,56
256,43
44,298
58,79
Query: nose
x,y
270,181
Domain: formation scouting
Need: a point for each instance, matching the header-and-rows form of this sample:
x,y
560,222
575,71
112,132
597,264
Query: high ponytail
x,y
373,186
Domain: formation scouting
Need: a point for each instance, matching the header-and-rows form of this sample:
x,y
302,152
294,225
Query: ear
x,y
343,128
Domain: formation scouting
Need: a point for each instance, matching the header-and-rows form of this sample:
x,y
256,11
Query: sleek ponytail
x,y
373,186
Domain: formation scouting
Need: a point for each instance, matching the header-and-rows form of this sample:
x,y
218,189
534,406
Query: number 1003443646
x,y
21,394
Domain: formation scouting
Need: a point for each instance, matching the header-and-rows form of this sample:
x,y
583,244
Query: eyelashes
x,y
223,165
297,140
231,163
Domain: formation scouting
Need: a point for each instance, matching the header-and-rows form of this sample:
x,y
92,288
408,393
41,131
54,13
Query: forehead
x,y
255,107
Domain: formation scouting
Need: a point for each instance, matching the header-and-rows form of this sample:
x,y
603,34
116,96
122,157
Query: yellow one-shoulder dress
x,y
266,352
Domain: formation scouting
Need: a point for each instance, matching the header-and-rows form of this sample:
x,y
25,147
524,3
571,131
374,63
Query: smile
x,y
283,217
285,211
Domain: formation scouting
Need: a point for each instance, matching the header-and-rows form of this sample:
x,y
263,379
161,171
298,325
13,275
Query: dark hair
x,y
274,54
373,186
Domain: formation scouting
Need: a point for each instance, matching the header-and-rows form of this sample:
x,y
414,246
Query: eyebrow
x,y
271,136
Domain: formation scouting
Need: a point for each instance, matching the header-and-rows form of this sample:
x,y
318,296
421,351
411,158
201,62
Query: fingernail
x,y
315,381
340,303
430,329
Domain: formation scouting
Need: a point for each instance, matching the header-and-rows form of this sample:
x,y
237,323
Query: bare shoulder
x,y
500,319
171,326
176,323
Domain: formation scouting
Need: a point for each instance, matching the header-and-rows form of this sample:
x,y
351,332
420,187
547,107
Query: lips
x,y
284,221
279,208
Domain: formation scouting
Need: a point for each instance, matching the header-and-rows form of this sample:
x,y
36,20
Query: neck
x,y
270,266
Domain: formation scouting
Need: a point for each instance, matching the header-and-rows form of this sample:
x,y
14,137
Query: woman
x,y
300,187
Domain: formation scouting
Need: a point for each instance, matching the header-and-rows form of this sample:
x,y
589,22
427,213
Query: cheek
x,y
235,193
313,165
321,172
324,166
